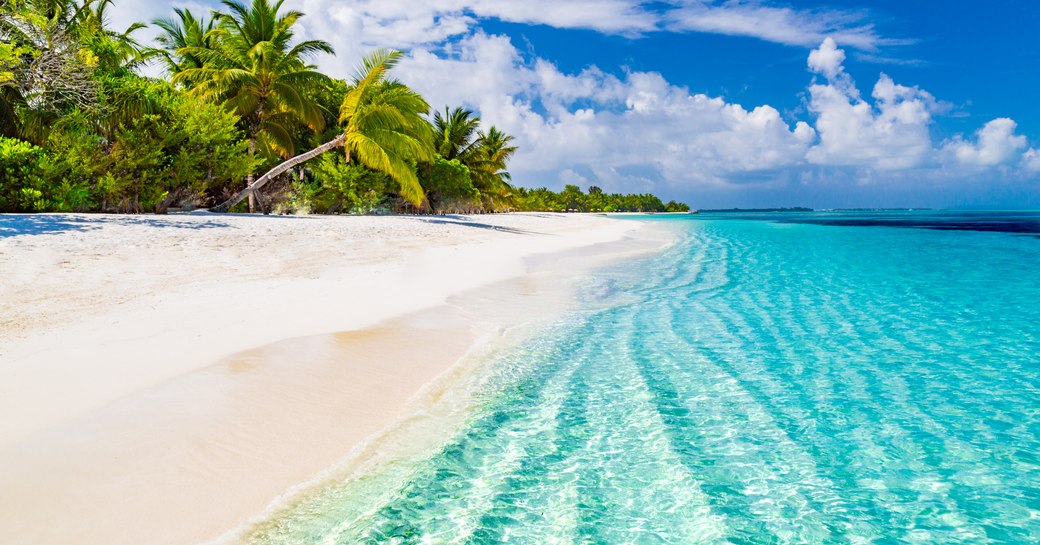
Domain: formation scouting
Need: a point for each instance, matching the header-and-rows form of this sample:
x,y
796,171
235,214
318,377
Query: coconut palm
x,y
457,136
455,133
181,33
491,154
116,51
383,129
256,69
487,166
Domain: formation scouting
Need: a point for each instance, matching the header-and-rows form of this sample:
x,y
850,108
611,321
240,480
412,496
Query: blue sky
x,y
727,103
981,56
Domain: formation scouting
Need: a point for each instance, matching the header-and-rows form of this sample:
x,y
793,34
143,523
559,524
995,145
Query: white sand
x,y
135,406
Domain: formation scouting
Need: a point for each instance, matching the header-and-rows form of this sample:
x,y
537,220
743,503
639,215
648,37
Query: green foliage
x,y
328,96
19,170
488,165
176,155
673,206
540,199
28,184
179,154
449,187
178,35
83,131
206,148
455,133
251,63
11,56
339,186
383,124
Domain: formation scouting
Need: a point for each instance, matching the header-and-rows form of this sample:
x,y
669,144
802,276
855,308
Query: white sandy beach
x,y
163,379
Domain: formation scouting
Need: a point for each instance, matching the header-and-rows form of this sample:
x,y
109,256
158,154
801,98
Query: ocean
x,y
792,377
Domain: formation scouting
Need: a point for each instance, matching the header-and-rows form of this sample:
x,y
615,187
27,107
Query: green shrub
x,y
449,186
338,186
20,169
185,153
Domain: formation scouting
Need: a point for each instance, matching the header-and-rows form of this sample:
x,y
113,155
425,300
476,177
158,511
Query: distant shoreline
x,y
804,209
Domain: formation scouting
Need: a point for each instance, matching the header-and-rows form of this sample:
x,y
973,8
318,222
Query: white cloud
x,y
356,26
609,16
892,133
638,126
827,59
995,144
782,25
1031,160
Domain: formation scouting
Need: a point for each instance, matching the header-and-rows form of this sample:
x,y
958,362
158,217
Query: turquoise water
x,y
771,378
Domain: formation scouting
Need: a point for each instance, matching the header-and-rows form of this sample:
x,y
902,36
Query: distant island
x,y
805,209
571,199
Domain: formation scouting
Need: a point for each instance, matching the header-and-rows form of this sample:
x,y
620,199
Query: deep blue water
x,y
846,377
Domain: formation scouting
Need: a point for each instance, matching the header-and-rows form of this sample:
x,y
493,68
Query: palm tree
x,y
256,70
116,51
455,133
457,136
383,129
180,33
490,156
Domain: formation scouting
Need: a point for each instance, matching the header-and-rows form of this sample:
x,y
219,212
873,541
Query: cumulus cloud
x,y
636,126
827,59
891,133
995,144
1031,160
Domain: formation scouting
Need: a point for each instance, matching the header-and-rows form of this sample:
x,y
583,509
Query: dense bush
x,y
449,187
19,175
181,154
336,186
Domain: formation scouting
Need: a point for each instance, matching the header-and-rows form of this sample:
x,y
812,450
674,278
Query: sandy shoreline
x,y
135,405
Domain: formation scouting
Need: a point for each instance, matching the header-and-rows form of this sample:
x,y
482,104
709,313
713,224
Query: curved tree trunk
x,y
337,142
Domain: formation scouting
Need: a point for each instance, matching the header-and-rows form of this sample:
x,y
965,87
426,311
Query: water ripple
x,y
757,383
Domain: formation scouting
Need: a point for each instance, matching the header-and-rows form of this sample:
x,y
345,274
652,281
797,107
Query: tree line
x,y
242,120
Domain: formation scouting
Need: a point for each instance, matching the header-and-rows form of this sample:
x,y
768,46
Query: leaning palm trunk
x,y
383,129
274,172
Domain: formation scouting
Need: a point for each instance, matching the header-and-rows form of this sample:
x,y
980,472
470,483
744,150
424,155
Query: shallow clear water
x,y
771,378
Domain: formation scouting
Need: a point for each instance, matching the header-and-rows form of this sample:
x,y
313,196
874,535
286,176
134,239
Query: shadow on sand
x,y
44,224
463,221
52,224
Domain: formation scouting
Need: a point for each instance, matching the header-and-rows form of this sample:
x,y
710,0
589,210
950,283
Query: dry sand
x,y
163,379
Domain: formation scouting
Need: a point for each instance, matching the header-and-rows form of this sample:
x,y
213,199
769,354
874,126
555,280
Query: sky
x,y
729,103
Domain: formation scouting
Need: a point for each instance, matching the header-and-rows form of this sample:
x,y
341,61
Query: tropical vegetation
x,y
242,119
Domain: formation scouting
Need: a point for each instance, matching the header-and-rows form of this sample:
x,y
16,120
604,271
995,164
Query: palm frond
x,y
371,72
